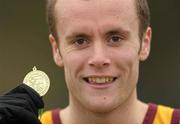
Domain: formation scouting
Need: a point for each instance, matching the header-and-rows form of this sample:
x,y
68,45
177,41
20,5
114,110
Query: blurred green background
x,y
24,44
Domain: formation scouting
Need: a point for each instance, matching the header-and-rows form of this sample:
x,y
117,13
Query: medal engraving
x,y
38,80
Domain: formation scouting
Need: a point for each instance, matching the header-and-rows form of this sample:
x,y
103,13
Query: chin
x,y
102,109
101,106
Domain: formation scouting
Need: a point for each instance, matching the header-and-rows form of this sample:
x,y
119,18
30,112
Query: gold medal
x,y
38,80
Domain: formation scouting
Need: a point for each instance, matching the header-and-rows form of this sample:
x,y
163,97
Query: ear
x,y
55,50
146,45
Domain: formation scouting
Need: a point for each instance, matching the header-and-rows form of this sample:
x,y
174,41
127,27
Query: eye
x,y
115,39
81,41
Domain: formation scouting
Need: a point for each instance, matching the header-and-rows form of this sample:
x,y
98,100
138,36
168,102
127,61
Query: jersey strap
x,y
55,116
151,112
176,117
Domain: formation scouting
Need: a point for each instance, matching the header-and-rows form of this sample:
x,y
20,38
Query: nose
x,y
99,57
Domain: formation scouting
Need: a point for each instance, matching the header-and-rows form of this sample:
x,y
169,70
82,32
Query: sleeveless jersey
x,y
156,114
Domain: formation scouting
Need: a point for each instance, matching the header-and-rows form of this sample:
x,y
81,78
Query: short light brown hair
x,y
143,13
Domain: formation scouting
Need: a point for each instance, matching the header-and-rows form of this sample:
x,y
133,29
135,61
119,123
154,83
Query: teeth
x,y
100,80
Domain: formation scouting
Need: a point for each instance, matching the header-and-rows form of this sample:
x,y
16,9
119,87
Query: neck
x,y
131,111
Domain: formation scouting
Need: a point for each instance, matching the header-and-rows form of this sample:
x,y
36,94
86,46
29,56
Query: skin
x,y
100,39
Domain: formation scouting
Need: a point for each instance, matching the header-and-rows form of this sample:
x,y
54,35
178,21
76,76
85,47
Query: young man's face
x,y
99,49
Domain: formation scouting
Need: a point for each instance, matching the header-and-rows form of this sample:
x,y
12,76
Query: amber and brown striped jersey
x,y
156,114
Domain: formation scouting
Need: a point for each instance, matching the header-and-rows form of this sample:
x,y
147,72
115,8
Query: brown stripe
x,y
55,116
176,117
150,114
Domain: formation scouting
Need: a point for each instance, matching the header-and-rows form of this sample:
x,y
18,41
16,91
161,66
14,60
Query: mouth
x,y
99,80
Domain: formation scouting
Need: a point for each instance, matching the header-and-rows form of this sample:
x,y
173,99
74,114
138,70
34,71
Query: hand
x,y
20,106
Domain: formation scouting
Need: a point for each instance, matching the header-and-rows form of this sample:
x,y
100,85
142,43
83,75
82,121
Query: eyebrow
x,y
76,35
124,33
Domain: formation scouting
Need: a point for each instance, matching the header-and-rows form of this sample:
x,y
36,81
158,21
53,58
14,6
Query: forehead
x,y
86,7
99,11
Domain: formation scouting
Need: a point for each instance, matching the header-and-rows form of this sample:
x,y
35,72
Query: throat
x,y
126,115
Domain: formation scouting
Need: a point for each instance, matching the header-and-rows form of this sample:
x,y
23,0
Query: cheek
x,y
70,72
73,65
127,57
74,62
128,66
128,63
